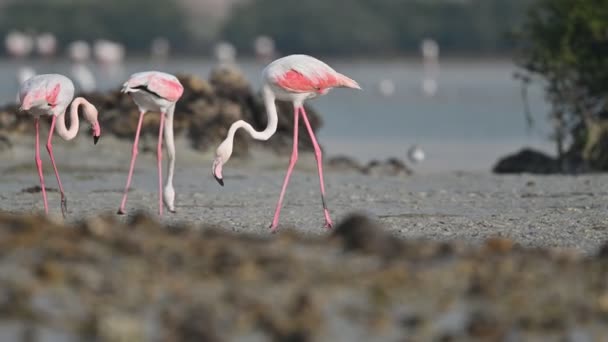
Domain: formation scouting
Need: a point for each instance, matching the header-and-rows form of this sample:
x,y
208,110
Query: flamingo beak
x,y
217,170
96,132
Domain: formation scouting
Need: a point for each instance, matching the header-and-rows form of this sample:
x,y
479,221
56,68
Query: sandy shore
x,y
547,211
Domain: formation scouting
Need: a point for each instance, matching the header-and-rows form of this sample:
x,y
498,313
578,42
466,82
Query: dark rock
x,y
390,167
344,163
5,143
603,251
36,189
527,161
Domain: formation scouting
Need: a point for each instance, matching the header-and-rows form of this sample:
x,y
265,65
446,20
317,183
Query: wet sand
x,y
536,211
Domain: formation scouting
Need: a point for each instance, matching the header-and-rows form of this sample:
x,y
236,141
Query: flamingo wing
x,y
52,93
169,89
297,81
165,87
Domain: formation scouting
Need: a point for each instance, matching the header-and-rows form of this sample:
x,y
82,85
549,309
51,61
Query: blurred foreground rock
x,y
103,280
203,114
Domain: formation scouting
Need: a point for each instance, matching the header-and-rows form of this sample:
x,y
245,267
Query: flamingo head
x,y
222,154
96,131
91,114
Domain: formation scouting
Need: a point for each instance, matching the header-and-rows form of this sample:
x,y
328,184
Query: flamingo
x,y
294,78
51,94
158,92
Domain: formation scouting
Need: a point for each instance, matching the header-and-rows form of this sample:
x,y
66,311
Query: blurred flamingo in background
x,y
51,94
158,92
19,45
46,44
80,53
294,78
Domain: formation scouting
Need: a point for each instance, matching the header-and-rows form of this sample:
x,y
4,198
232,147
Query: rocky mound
x,y
103,280
203,114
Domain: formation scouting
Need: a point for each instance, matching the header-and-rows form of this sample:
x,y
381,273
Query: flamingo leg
x,y
134,152
292,163
319,158
49,148
39,164
159,159
169,191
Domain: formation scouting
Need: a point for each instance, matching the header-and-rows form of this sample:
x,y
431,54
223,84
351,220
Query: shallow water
x,y
476,116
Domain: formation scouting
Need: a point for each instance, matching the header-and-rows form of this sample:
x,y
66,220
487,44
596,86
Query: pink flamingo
x,y
294,78
51,95
158,92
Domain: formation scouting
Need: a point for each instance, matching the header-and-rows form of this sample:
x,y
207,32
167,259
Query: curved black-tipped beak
x,y
219,180
96,139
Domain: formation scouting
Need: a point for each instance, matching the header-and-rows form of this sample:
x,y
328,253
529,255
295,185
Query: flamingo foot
x,y
274,226
64,206
120,211
328,222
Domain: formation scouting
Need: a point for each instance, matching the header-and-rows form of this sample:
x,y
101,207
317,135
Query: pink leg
x,y
49,148
159,159
319,157
39,164
121,210
292,163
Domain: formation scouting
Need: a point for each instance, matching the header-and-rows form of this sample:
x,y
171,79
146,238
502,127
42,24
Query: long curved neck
x,y
224,151
271,127
62,130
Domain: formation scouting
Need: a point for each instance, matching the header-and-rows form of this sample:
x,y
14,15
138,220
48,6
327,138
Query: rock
x,y
5,143
37,189
527,161
344,163
391,167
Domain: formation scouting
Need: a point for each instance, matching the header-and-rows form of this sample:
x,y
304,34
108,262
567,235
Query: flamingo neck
x,y
271,127
69,134
225,148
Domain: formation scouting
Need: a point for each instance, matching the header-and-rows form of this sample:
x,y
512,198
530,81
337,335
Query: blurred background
x,y
438,76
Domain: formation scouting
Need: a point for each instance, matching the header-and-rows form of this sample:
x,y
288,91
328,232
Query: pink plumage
x,y
164,85
305,74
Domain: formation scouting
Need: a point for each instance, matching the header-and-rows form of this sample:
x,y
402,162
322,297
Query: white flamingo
x,y
157,92
294,78
51,94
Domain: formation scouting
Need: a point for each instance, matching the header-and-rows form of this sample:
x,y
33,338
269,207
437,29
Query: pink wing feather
x,y
295,81
169,89
51,96
166,88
